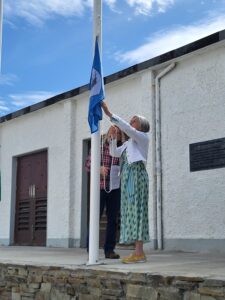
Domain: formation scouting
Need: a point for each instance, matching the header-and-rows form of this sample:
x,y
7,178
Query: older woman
x,y
134,182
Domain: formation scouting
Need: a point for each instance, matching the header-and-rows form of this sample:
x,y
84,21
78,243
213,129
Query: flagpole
x,y
1,26
95,156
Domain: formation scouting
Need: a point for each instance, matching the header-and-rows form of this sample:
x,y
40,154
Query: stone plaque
x,y
207,155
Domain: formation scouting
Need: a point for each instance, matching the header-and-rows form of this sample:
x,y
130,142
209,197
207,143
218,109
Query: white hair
x,y
144,124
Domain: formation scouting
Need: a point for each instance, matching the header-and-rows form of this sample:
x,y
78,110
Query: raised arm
x,y
136,135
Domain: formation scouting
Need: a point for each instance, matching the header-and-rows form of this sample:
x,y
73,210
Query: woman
x,y
109,191
134,182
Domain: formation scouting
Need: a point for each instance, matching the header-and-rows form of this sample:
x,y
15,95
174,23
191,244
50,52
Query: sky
x,y
47,44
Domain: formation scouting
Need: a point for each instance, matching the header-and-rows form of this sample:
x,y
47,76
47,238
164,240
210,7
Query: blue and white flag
x,y
97,93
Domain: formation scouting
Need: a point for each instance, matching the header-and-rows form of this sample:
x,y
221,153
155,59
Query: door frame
x,y
84,196
13,200
13,192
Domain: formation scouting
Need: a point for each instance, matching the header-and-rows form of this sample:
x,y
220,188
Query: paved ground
x,y
205,265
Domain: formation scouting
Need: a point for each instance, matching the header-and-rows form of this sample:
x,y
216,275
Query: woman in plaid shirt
x,y
109,198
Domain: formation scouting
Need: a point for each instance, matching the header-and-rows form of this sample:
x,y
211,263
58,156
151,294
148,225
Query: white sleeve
x,y
136,135
114,150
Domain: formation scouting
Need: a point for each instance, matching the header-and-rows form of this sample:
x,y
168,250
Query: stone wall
x,y
43,283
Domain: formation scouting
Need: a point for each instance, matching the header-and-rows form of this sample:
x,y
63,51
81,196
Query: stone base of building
x,y
57,283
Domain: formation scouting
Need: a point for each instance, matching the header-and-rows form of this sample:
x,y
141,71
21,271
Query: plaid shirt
x,y
106,161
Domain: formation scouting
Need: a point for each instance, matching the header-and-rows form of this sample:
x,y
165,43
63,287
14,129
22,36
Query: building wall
x,y
126,98
43,129
62,129
193,110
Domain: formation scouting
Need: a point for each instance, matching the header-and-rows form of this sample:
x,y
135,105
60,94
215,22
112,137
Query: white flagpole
x,y
1,22
95,156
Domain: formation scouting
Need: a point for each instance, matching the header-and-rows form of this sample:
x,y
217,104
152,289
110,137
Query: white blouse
x,y
136,146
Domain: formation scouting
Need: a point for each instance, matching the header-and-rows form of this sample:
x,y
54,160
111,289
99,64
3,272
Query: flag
x,y
97,93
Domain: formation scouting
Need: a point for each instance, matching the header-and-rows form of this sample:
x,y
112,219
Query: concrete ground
x,y
204,265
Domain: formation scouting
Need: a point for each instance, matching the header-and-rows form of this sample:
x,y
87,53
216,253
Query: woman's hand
x,y
112,133
104,171
106,110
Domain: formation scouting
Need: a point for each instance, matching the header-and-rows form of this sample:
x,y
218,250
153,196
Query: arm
x,y
106,110
103,169
136,135
133,133
114,150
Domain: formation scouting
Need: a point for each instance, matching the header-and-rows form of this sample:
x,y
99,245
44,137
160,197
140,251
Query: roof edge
x,y
173,54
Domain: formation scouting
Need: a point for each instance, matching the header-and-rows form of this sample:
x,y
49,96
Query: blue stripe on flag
x,y
97,93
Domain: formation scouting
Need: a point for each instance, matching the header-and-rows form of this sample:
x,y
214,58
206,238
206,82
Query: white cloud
x,y
164,4
36,12
3,107
8,79
29,98
141,6
17,101
165,41
145,7
111,3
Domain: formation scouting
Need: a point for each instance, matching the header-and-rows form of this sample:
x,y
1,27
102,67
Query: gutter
x,y
159,219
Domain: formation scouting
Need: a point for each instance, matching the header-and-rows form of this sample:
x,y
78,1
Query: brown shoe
x,y
112,255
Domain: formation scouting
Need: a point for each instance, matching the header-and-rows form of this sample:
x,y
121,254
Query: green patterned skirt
x,y
134,202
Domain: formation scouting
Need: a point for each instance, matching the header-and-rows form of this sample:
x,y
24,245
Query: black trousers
x,y
110,201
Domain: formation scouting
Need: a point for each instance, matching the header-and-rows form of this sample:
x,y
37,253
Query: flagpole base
x,y
94,264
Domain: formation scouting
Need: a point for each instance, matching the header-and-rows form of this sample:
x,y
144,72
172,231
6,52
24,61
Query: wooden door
x,y
31,200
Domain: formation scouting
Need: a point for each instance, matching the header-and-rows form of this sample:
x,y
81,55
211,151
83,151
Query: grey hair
x,y
144,124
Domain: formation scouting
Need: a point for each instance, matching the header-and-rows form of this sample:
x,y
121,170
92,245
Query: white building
x,y
44,146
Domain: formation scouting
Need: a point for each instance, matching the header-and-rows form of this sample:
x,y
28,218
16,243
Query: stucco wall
x,y
126,98
193,110
43,129
62,129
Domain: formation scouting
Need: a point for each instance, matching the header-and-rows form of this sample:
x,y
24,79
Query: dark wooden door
x,y
31,200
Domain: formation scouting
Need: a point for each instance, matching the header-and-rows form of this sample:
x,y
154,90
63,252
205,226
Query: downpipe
x,y
159,219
